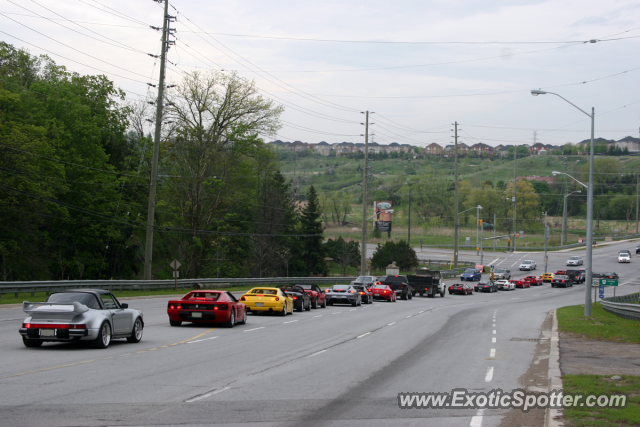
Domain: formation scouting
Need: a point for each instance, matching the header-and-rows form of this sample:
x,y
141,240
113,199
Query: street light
x,y
589,268
564,216
477,218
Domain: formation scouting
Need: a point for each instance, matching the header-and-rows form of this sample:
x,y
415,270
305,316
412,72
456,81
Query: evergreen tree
x,y
313,251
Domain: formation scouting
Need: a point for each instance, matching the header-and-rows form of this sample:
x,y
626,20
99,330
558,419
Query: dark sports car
x,y
317,295
365,293
207,307
461,288
560,280
301,299
485,287
343,294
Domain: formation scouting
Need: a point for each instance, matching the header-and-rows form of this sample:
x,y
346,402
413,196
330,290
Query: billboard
x,y
382,215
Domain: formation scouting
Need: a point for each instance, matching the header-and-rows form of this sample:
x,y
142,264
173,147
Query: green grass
x,y
582,416
602,325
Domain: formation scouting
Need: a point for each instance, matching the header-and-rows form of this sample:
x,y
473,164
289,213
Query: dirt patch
x,y
536,379
584,356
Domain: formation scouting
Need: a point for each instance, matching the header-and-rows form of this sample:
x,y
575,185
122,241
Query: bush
x,y
400,252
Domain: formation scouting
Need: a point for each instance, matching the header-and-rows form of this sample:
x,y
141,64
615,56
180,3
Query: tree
x,y
345,254
527,203
400,252
622,206
312,250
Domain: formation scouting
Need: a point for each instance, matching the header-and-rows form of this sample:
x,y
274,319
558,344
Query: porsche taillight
x,y
352,291
294,297
52,326
242,298
361,293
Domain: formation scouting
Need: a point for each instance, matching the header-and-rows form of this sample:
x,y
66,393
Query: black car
x,y
365,293
301,299
343,294
400,284
561,281
485,287
638,249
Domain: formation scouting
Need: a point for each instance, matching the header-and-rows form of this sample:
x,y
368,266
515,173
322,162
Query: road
x,y
338,366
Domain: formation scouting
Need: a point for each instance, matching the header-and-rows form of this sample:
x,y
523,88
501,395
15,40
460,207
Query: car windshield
x,y
469,271
85,298
499,270
212,296
609,274
575,257
364,279
560,277
307,287
624,255
340,288
526,262
395,279
380,287
265,291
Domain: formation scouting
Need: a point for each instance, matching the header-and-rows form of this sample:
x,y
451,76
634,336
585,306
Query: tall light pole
x,y
470,209
455,214
546,238
589,268
564,217
363,255
515,185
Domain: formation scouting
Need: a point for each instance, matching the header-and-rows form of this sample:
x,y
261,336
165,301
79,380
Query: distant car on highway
x,y
533,280
547,277
501,273
301,299
485,287
624,257
271,300
93,315
505,285
460,288
343,294
561,281
638,249
318,296
471,274
383,292
207,306
528,265
575,260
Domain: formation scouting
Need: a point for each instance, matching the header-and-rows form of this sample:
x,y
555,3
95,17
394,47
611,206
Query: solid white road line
x,y
492,353
476,420
255,329
204,339
316,353
195,399
363,335
489,376
290,321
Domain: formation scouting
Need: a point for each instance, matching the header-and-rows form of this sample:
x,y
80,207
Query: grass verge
x,y
602,325
583,416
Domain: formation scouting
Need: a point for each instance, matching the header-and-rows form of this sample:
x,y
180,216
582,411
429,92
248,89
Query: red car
x,y
383,292
533,280
207,307
318,297
460,288
520,283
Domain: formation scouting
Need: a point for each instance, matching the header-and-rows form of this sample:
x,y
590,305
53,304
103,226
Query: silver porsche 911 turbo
x,y
93,315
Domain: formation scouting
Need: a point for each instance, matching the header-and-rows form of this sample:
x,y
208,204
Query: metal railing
x,y
626,306
150,285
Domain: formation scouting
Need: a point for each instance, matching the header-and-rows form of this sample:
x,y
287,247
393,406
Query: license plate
x,y
259,304
196,315
47,332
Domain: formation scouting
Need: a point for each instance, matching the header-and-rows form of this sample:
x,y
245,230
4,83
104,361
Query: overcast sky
x,y
417,89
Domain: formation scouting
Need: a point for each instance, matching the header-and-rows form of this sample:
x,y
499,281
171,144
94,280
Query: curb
x,y
553,416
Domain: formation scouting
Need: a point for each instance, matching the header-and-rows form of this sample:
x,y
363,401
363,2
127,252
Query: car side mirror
x,y
124,305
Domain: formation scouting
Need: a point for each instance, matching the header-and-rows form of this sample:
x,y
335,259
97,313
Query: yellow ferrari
x,y
267,299
547,277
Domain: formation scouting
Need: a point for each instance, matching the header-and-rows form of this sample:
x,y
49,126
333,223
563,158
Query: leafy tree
x,y
312,251
400,252
346,254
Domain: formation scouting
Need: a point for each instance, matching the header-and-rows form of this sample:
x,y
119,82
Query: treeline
x,y
75,170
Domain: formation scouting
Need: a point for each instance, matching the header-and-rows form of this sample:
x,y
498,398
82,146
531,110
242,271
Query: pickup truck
x,y
427,282
575,275
400,284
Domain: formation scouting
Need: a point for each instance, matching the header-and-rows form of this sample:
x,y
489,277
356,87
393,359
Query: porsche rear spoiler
x,y
54,307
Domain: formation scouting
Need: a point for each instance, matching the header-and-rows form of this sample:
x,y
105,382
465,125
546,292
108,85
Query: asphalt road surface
x,y
338,366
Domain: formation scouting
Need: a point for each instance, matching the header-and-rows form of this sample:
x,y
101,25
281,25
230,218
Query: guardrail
x,y
149,285
626,306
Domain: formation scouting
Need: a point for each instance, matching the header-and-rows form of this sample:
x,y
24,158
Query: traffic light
x,y
480,223
492,276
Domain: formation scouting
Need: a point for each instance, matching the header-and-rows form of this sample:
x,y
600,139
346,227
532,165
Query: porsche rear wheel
x,y
314,303
301,309
136,332
308,307
104,336
284,310
31,343
232,319
175,322
324,304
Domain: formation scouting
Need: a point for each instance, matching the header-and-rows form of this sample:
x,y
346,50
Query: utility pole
x,y
455,214
409,229
482,245
564,213
495,226
363,260
148,250
515,183
477,227
546,238
637,203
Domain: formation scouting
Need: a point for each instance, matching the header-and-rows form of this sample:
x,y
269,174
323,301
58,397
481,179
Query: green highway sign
x,y
608,282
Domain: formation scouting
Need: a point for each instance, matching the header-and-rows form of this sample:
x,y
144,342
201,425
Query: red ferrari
x,y
460,288
207,307
520,283
383,292
533,280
